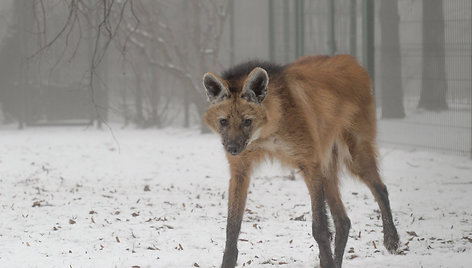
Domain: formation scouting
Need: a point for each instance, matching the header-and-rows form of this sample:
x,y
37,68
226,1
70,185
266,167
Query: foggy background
x,y
105,161
140,63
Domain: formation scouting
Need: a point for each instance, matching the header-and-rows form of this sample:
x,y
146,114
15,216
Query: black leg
x,y
320,220
236,203
364,165
391,239
340,218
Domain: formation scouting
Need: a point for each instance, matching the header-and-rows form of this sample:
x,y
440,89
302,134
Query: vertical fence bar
x,y
353,27
271,31
297,29
300,28
470,97
302,25
231,32
368,36
332,28
286,31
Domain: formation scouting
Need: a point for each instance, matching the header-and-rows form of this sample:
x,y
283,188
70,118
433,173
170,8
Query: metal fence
x,y
418,52
366,28
449,129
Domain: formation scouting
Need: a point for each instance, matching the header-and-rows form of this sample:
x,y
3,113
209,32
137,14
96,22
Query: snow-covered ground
x,y
72,197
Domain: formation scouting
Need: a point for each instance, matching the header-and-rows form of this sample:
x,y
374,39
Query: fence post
x,y
300,28
286,31
353,28
271,31
332,28
368,36
231,33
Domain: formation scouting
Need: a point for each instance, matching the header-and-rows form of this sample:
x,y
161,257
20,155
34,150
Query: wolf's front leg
x,y
238,187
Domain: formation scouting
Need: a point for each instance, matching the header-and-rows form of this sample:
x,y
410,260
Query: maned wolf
x,y
314,115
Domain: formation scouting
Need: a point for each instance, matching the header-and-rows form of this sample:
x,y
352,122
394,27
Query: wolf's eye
x,y
247,122
224,122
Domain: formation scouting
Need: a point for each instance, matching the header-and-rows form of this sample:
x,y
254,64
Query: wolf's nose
x,y
232,149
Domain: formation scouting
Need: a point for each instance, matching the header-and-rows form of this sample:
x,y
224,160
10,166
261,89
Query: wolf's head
x,y
236,111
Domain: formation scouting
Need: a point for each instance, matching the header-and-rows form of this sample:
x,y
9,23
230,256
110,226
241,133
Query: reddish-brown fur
x,y
319,113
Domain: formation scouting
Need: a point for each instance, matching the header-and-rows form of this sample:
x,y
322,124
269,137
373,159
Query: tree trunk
x,y
103,72
201,111
434,84
186,111
155,118
391,84
138,100
24,10
99,73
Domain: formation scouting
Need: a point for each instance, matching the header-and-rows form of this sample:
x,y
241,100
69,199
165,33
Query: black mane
x,y
243,69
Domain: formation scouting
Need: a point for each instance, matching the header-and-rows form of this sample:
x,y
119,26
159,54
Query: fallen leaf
x,y
467,238
299,218
412,233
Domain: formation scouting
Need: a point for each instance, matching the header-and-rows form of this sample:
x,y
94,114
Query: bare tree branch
x,y
182,38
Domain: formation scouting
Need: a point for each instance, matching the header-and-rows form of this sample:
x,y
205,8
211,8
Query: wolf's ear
x,y
216,88
255,88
